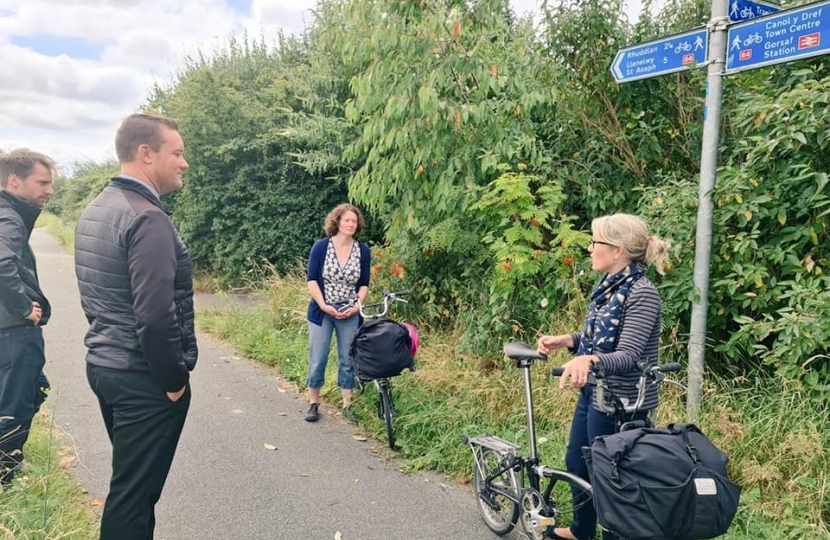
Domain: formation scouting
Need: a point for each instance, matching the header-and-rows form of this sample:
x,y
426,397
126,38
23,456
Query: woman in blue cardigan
x,y
338,276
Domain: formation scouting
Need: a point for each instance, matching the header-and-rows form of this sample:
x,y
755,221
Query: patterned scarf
x,y
602,326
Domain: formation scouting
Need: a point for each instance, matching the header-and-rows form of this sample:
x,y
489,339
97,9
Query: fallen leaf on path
x,y
237,411
269,446
338,536
280,390
66,461
282,414
359,438
96,502
304,475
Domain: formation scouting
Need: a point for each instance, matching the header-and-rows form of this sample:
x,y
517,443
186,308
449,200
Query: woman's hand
x,y
545,344
577,371
329,310
347,313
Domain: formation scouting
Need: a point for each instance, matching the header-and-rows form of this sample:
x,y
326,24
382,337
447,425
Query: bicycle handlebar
x,y
649,375
389,298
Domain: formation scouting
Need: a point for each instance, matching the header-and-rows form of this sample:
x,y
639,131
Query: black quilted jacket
x,y
136,283
19,286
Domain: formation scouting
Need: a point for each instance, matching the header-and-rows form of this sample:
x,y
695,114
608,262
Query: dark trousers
x,y
21,365
144,427
588,423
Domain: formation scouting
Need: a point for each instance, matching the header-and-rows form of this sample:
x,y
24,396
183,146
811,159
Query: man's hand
x,y
174,396
36,314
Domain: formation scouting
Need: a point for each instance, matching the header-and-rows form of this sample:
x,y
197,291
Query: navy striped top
x,y
639,338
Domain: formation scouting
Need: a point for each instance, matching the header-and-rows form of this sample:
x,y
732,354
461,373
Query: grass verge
x,y
45,501
59,229
774,435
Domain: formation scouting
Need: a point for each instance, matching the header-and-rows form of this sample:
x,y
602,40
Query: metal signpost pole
x,y
708,172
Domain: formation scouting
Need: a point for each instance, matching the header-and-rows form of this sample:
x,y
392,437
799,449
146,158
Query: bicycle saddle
x,y
516,350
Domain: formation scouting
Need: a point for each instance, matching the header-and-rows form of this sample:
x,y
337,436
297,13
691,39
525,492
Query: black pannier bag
x,y
661,484
380,349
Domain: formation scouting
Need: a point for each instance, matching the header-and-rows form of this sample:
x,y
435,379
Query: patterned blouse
x,y
340,280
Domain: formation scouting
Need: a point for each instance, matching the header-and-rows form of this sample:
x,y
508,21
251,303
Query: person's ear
x,y
144,153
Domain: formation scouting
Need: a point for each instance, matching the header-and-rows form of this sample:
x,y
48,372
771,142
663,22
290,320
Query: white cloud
x,y
69,107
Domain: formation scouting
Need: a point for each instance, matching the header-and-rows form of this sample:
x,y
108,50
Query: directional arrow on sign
x,y
661,56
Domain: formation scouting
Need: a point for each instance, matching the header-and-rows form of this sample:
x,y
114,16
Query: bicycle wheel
x,y
386,405
498,511
569,494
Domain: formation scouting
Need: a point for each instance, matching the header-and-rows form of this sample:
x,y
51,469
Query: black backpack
x,y
661,484
380,349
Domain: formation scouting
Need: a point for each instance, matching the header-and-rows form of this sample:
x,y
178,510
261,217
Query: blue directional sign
x,y
782,37
661,56
745,10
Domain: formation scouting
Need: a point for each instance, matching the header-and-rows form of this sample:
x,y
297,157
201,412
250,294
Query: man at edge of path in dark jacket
x,y
25,184
135,280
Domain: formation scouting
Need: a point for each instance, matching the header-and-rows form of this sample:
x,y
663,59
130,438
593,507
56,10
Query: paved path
x,y
224,484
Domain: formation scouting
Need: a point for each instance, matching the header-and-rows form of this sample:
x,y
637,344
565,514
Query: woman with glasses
x,y
621,329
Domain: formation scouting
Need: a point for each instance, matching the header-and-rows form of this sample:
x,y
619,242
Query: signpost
x,y
746,34
782,37
744,10
661,56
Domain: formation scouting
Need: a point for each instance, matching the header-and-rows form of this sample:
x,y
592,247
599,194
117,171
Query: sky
x,y
73,69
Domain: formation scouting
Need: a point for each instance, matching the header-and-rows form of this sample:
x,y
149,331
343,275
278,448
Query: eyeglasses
x,y
595,242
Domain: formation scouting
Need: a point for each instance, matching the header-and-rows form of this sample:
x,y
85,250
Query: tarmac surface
x,y
319,483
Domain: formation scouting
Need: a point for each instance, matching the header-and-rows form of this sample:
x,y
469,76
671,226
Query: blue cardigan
x,y
316,259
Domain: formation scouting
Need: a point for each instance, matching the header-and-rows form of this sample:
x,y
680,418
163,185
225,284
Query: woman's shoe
x,y
313,412
551,533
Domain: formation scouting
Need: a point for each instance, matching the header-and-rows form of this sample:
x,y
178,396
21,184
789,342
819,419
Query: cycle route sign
x,y
745,10
661,56
782,37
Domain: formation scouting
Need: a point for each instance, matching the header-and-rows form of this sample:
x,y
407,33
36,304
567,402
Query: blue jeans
x,y
319,344
21,364
588,423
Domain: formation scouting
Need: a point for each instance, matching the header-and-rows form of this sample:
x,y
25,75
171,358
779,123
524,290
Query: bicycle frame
x,y
535,508
383,385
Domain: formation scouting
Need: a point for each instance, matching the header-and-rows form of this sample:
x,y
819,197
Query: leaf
x,y
96,502
269,446
338,536
359,438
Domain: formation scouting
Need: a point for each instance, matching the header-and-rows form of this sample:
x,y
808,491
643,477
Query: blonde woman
x,y
621,329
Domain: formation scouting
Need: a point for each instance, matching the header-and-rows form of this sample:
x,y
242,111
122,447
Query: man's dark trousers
x,y
21,362
144,427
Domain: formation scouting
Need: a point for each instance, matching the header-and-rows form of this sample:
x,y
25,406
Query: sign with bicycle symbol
x,y
659,57
782,37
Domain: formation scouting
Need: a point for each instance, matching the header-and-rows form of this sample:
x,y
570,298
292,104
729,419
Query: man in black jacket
x,y
26,183
135,279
